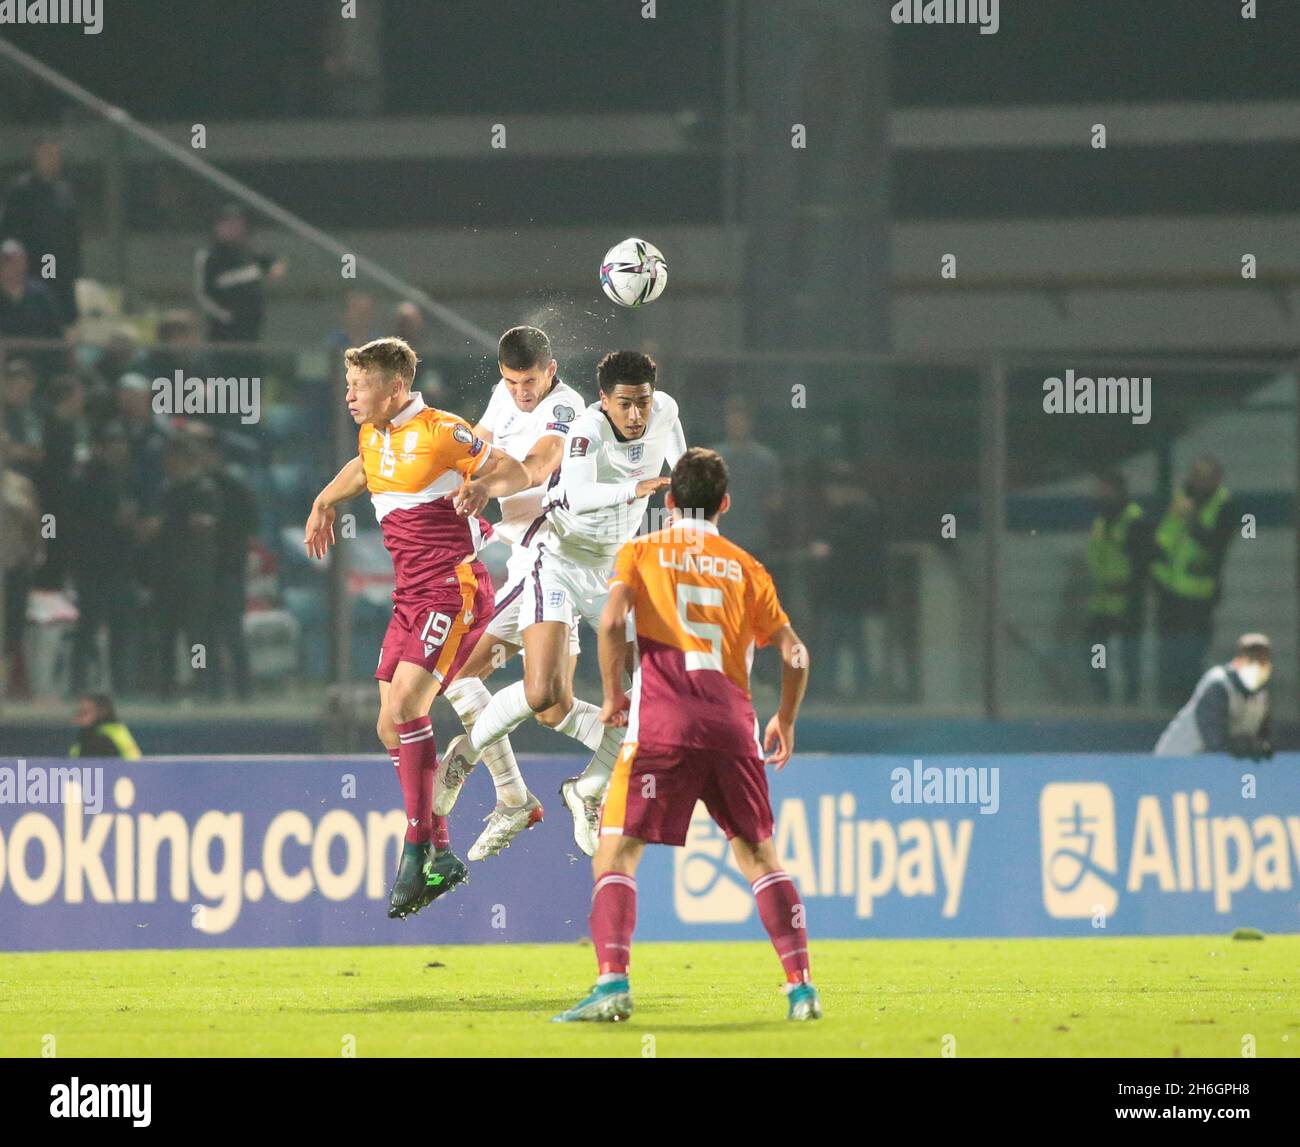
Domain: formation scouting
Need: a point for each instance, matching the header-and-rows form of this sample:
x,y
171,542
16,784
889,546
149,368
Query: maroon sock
x,y
613,919
441,835
417,759
782,913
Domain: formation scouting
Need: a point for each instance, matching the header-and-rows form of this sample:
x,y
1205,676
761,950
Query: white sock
x,y
470,697
582,724
506,711
591,785
500,760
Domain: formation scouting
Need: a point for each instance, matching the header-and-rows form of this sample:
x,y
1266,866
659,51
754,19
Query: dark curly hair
x,y
627,368
699,482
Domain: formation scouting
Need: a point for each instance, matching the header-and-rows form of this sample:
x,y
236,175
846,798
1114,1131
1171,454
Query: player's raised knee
x,y
556,713
545,695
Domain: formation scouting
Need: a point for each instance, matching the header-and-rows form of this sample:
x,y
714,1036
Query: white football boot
x,y
586,816
503,825
453,767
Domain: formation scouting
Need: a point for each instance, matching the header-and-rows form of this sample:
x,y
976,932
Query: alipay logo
x,y
1080,859
859,863
708,888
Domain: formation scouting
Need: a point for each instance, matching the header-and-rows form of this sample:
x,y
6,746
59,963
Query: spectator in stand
x,y
357,326
104,521
1190,545
1119,548
40,212
409,324
754,480
121,355
236,527
22,433
230,278
325,422
67,450
146,435
20,549
27,310
848,575
184,562
180,347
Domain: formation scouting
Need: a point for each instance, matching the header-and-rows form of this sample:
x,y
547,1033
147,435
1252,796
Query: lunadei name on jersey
x,y
710,565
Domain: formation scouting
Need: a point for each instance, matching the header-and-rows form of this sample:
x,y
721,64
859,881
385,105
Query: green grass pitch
x,y
1188,996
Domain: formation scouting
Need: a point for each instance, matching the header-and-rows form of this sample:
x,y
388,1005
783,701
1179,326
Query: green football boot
x,y
409,889
443,872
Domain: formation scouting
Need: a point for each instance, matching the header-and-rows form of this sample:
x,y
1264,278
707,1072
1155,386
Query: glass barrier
x,y
157,487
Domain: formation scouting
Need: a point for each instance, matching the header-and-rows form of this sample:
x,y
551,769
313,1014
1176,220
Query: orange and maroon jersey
x,y
702,604
412,465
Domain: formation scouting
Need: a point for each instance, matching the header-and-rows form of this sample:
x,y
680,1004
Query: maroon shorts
x,y
438,629
653,790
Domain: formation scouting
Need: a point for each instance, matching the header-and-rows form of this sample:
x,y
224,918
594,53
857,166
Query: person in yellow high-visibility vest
x,y
1118,549
99,732
1191,543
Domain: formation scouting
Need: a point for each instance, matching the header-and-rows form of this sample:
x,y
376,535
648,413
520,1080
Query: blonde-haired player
x,y
413,459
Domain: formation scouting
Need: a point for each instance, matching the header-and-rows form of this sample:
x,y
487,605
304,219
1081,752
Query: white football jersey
x,y
594,537
516,432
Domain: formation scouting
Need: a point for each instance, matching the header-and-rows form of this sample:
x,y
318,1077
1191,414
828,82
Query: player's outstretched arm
x,y
612,653
778,739
584,493
544,459
498,477
347,483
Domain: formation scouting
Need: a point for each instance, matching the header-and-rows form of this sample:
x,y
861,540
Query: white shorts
x,y
532,593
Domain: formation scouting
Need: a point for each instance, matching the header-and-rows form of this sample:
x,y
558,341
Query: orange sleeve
x,y
626,569
765,612
457,447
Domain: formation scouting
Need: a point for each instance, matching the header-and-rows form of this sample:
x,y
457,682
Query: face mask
x,y
1254,676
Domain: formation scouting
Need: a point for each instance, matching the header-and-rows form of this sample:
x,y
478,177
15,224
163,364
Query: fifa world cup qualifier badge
x,y
466,437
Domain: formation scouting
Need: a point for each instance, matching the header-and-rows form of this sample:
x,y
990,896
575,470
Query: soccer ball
x,y
633,273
